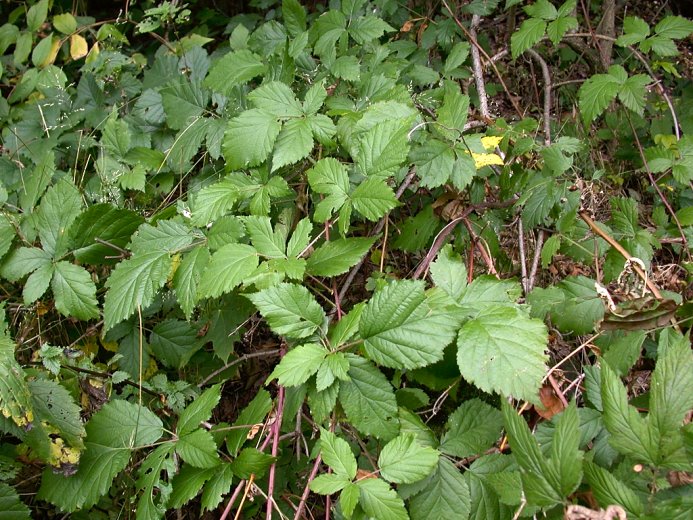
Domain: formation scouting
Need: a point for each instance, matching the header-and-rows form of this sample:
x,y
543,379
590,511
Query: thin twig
x,y
547,93
275,449
306,490
535,261
523,259
478,69
236,361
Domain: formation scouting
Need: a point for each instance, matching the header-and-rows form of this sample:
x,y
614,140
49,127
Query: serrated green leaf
x,y
217,486
368,399
502,350
541,9
609,490
249,138
298,365
300,238
445,495
294,142
635,30
198,449
15,399
373,199
401,329
551,246
487,292
74,291
294,15
102,222
60,206
168,235
338,256
380,501
629,432
276,98
174,342
348,499
633,93
214,201
337,454
449,272
529,33
290,310
183,102
382,149
367,28
473,428
671,387
596,94
558,28
7,234
187,278
674,27
11,506
227,269
187,485
235,68
112,434
268,242
343,330
251,461
23,261
329,177
54,404
251,415
435,161
329,483
404,461
132,284
199,410
37,283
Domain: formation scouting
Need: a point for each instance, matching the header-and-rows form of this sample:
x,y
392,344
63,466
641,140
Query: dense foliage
x,y
356,260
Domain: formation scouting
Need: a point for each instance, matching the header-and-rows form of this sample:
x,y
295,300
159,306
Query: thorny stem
x,y
306,490
276,430
535,261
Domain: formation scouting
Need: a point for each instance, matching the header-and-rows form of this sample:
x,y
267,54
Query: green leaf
x,y
329,177
298,365
198,449
383,148
373,199
635,30
7,234
132,284
235,68
338,256
249,138
251,461
487,292
155,492
36,15
214,201
368,399
15,398
329,484
294,142
187,485
276,98
198,411
556,30
39,179
380,501
529,457
227,269
218,486
449,272
65,23
74,291
97,227
11,506
59,207
404,461
566,458
337,454
674,27
633,93
251,415
596,94
290,310
112,434
529,33
348,499
445,495
671,387
174,342
541,9
53,403
609,490
20,262
269,243
187,278
37,283
294,15
473,428
401,329
116,136
502,350
367,28
347,68
629,432
300,238
184,101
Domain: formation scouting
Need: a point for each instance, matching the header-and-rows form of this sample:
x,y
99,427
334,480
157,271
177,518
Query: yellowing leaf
x,y
486,159
79,47
93,53
491,141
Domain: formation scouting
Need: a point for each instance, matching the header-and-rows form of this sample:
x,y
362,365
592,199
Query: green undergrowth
x,y
287,262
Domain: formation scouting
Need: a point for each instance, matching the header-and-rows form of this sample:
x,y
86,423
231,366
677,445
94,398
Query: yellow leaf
x,y
486,159
78,46
55,47
491,141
